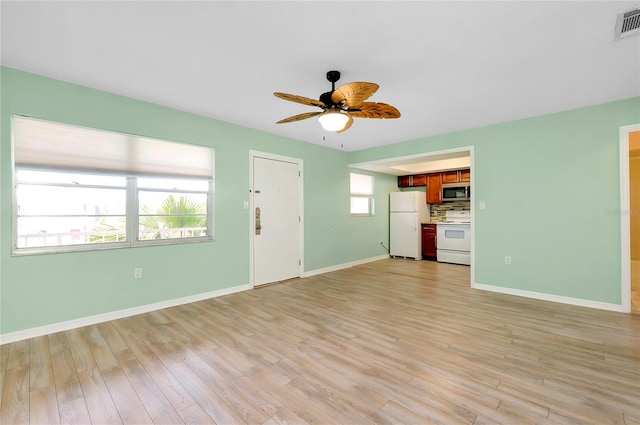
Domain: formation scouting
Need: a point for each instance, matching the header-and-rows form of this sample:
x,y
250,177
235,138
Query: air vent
x,y
628,24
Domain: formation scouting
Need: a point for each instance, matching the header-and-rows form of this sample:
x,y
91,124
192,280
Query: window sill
x,y
66,249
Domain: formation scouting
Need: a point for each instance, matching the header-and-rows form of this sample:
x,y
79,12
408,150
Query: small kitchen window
x,y
361,194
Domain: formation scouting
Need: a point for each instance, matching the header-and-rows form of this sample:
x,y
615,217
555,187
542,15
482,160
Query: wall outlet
x,y
137,273
507,259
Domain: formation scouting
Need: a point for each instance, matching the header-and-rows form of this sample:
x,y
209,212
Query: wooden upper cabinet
x,y
412,181
450,177
458,176
420,180
434,182
434,188
405,181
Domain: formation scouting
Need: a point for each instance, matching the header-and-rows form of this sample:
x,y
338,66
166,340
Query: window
x,y
361,194
56,209
80,189
171,208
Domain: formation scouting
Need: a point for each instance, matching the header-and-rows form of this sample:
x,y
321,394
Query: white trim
x,y
549,297
472,204
257,154
344,265
114,315
625,221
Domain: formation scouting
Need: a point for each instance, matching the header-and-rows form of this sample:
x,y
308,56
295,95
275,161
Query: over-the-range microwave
x,y
456,192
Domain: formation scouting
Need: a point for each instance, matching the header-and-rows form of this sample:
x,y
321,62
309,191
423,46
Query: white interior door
x,y
276,220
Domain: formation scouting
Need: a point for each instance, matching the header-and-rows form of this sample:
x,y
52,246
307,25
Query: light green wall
x,y
548,183
563,169
38,290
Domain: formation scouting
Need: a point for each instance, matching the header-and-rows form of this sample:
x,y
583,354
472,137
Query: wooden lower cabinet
x,y
429,250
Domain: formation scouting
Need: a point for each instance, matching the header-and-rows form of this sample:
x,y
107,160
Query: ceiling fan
x,y
341,105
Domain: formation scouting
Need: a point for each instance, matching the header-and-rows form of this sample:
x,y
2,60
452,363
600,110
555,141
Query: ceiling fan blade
x,y
300,99
353,95
347,125
375,110
299,117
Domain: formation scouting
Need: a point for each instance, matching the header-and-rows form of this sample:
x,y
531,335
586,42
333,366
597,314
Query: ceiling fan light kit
x,y
341,105
333,120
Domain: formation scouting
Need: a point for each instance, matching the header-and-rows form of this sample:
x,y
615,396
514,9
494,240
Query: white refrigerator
x,y
408,210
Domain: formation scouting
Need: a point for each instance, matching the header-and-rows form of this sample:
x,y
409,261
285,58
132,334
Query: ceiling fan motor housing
x,y
325,98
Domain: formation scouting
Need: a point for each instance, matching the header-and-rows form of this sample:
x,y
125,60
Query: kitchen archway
x,y
431,162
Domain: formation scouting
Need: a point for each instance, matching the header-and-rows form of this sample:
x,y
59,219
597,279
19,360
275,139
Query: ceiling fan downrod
x,y
325,98
333,76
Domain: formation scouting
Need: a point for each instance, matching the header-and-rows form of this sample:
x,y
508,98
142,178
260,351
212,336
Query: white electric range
x,y
453,238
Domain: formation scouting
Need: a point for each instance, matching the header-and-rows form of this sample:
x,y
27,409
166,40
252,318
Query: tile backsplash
x,y
438,210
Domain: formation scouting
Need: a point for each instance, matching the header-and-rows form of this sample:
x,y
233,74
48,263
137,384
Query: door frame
x,y
625,219
472,166
274,157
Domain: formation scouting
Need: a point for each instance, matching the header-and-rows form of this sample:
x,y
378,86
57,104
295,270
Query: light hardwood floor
x,y
394,341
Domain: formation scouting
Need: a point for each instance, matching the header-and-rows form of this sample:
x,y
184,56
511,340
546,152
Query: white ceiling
x,y
446,66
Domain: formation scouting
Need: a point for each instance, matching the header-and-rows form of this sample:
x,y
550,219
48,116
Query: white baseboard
x,y
114,315
105,317
549,297
344,265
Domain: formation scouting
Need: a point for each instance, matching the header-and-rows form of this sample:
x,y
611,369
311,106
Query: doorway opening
x,y
630,216
432,162
634,217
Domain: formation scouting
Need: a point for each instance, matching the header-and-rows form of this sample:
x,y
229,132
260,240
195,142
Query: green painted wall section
x,y
549,184
39,290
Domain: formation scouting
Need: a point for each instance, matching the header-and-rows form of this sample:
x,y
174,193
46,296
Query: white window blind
x,y
361,187
361,184
45,144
